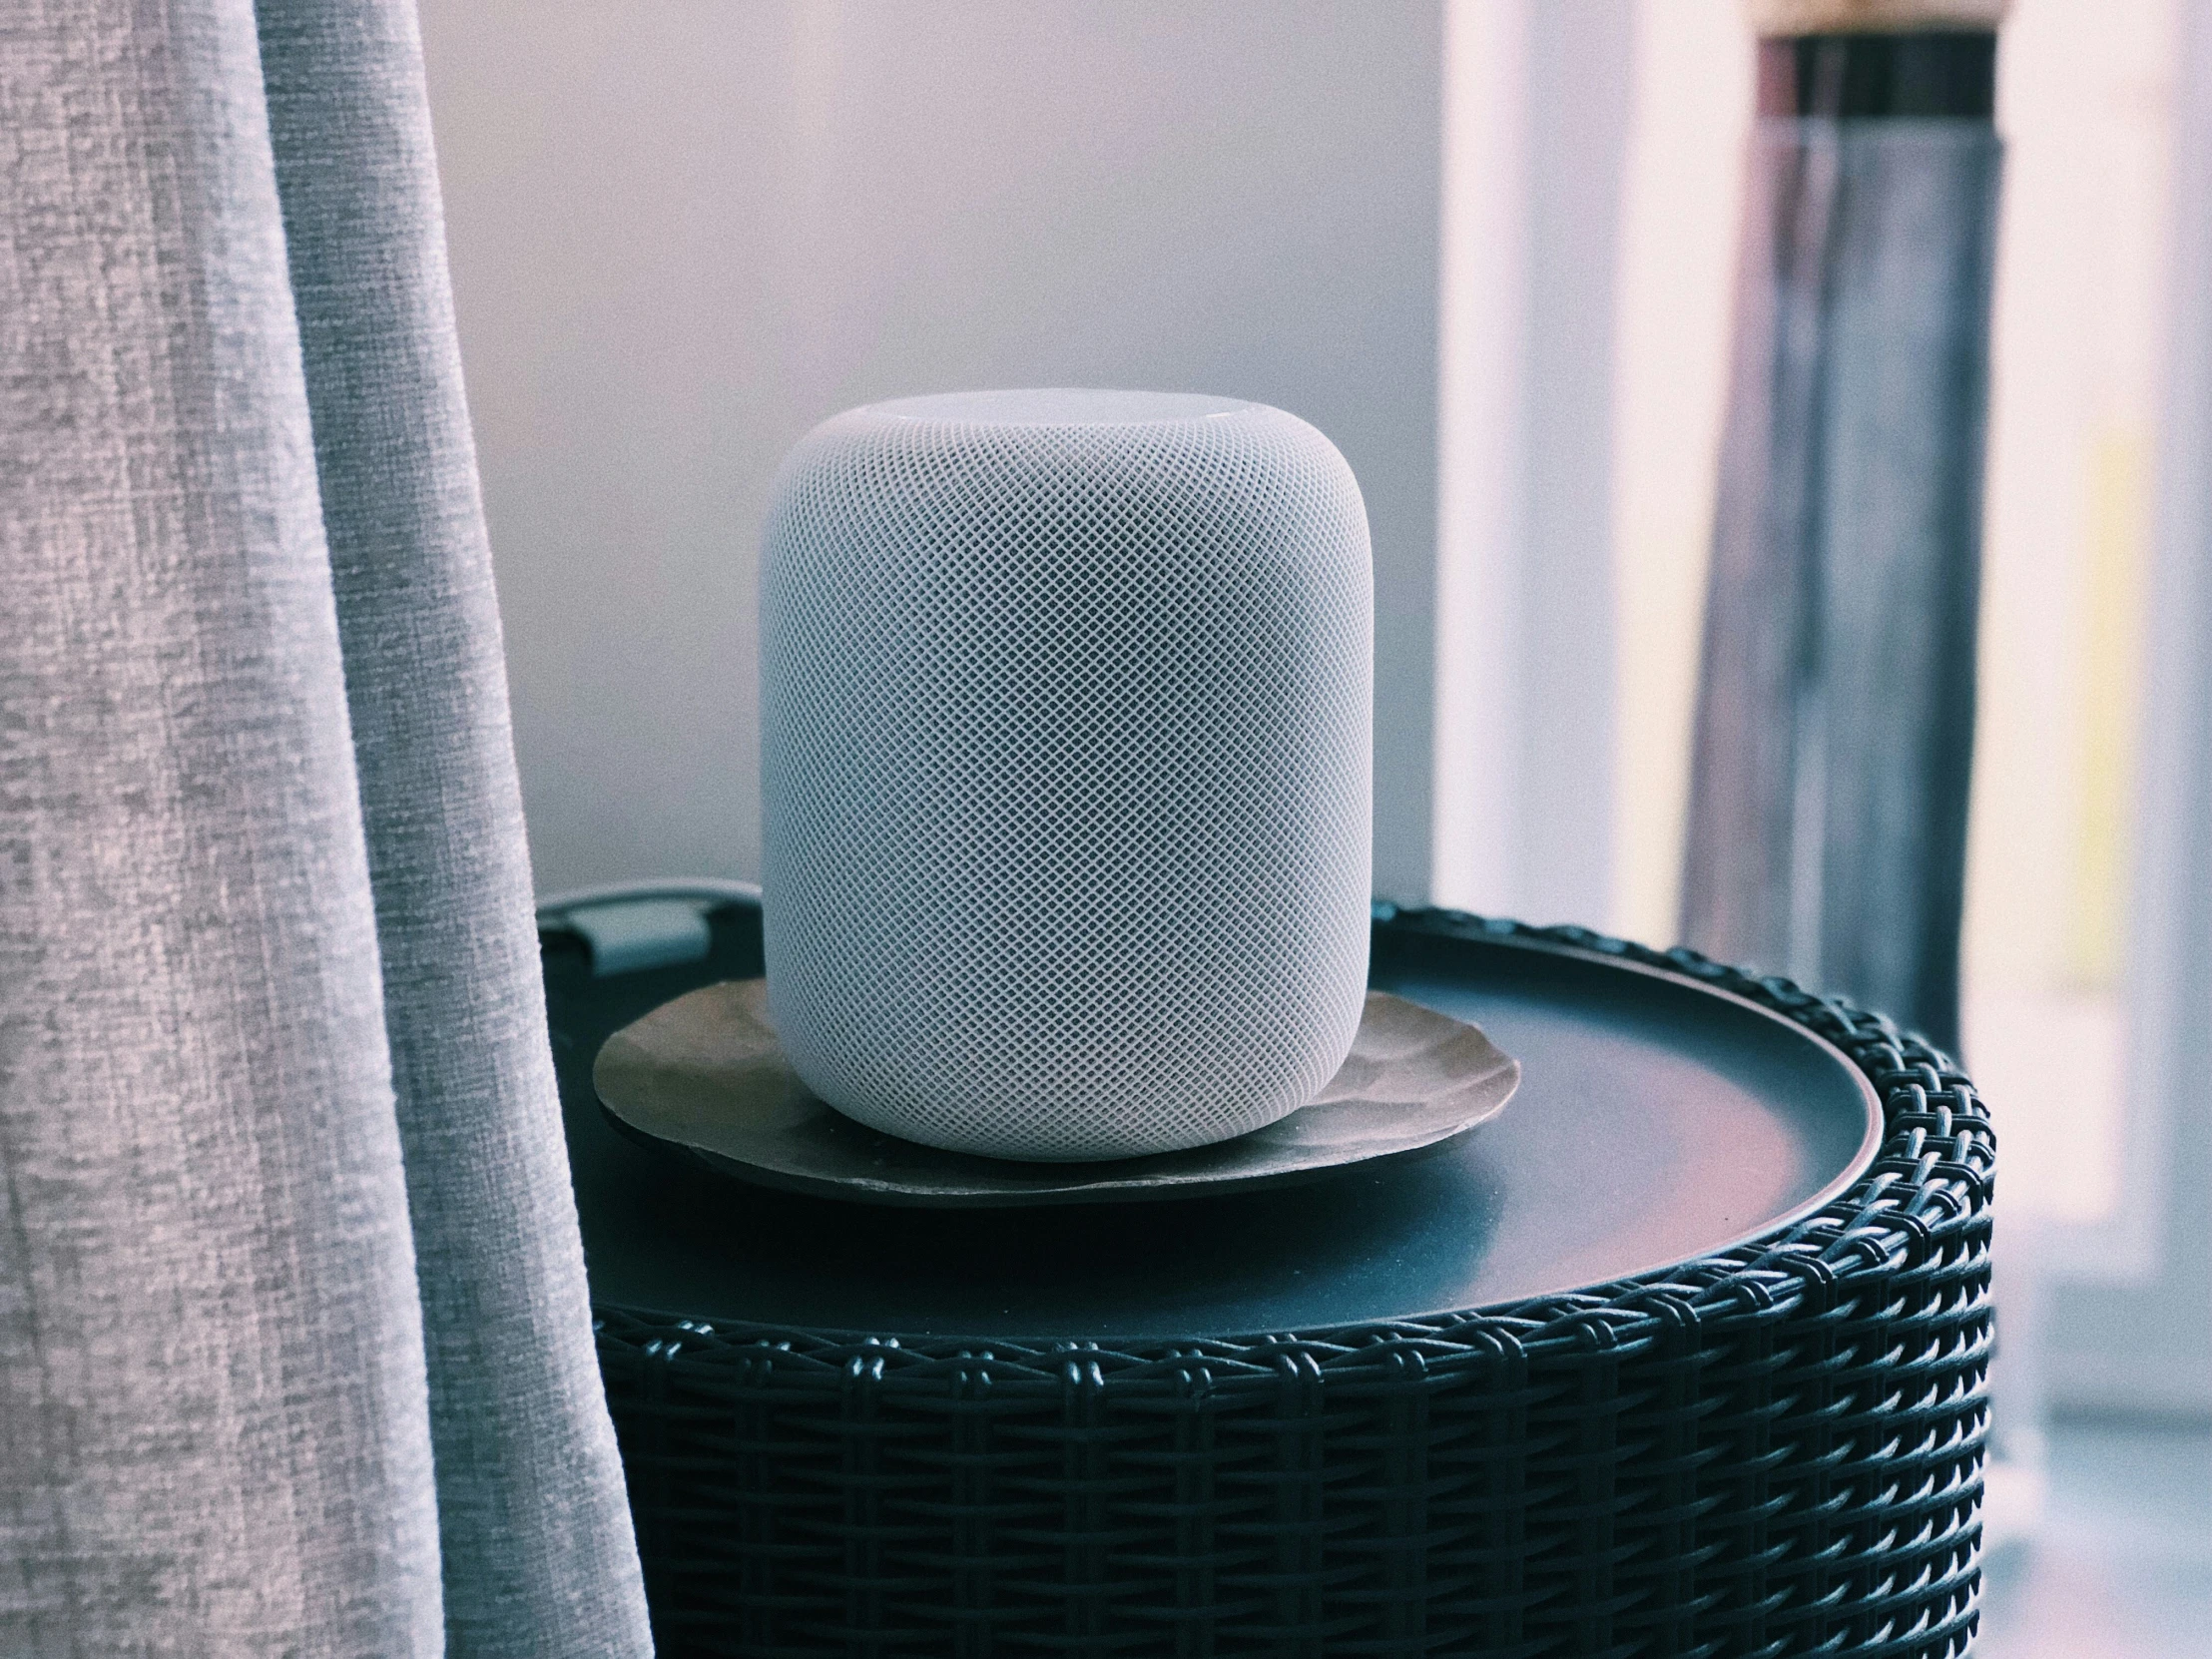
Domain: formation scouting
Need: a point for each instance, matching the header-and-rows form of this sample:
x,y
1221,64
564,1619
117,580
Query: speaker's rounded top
x,y
1060,406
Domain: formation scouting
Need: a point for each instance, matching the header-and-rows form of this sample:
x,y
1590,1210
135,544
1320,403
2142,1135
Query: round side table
x,y
1684,1354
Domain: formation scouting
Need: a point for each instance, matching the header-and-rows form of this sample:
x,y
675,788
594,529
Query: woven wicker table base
x,y
1771,1451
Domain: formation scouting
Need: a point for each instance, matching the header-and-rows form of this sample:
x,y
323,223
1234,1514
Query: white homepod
x,y
1066,764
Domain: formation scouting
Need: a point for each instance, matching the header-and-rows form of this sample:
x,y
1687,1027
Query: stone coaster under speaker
x,y
704,1077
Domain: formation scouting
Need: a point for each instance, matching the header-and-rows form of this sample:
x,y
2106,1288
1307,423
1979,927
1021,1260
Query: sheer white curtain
x,y
2144,1342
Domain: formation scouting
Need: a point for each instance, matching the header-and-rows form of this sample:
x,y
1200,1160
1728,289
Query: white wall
x,y
684,232
1536,117
1690,113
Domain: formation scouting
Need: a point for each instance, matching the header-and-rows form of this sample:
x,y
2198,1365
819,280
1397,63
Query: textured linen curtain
x,y
295,1351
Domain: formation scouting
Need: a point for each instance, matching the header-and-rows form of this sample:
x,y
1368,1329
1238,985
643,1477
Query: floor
x,y
2121,1566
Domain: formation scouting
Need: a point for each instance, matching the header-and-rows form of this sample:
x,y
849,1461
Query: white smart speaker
x,y
1065,759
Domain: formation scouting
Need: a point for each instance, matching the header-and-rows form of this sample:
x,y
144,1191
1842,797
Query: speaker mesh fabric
x,y
1065,705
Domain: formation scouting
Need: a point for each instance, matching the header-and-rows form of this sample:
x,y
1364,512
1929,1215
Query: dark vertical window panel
x,y
1833,754
1876,77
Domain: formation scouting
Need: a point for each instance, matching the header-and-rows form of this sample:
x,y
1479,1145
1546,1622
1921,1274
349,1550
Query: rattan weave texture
x,y
1772,1451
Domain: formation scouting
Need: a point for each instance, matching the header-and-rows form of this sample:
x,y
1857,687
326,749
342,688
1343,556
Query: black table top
x,y
1657,1121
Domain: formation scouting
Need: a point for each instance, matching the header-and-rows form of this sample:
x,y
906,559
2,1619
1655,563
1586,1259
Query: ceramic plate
x,y
703,1076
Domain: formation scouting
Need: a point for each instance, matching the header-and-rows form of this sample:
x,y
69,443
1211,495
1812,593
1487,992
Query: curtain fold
x,y
295,1351
534,1531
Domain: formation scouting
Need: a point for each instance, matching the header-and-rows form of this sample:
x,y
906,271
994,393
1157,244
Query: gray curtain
x,y
295,1351
1835,727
